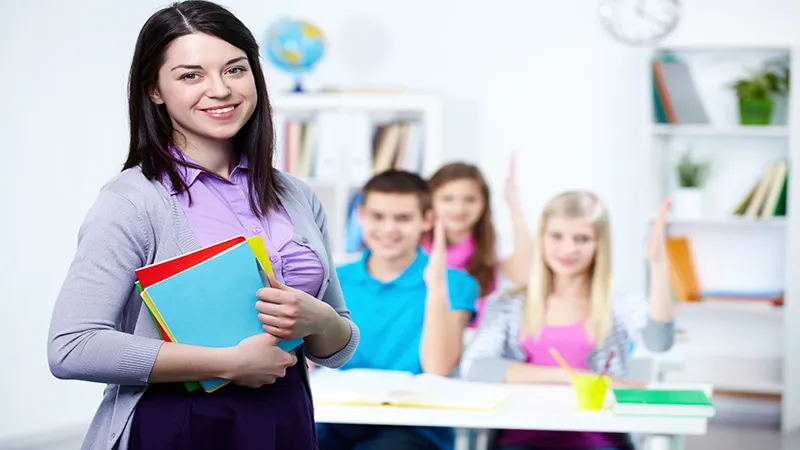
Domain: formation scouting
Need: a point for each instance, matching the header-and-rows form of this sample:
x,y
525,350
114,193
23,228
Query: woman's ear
x,y
155,96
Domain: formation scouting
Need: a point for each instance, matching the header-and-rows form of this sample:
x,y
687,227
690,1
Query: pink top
x,y
458,256
573,342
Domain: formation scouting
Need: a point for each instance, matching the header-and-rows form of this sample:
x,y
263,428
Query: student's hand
x,y
436,272
510,191
257,361
311,366
289,313
656,252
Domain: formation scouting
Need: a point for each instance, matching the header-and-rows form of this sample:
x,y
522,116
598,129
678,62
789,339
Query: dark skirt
x,y
279,416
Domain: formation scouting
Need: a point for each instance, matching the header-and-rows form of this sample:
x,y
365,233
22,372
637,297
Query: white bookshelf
x,y
743,347
349,120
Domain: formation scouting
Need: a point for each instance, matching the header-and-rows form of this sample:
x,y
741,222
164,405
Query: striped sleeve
x,y
494,346
632,312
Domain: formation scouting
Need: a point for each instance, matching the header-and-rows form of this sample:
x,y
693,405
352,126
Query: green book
x,y
663,402
190,385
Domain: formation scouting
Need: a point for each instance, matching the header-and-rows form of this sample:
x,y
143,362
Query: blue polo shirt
x,y
390,318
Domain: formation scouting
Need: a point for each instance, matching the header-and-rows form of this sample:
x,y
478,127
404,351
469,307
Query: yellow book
x,y
260,250
682,274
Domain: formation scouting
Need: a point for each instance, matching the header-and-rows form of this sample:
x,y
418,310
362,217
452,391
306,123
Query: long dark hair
x,y
481,265
150,124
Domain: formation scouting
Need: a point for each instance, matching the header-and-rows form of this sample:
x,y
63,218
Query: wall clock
x,y
639,22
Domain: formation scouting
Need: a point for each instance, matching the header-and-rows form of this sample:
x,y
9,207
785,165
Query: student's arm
x,y
516,267
659,332
449,306
494,352
84,342
661,308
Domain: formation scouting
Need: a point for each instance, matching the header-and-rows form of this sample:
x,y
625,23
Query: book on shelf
x,y
686,286
767,197
682,274
675,96
374,387
314,148
397,145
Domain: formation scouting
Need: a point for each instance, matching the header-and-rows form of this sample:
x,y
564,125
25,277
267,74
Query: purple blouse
x,y
220,209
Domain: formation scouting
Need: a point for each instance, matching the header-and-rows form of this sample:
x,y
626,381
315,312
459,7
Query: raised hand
x,y
289,313
436,271
655,251
510,191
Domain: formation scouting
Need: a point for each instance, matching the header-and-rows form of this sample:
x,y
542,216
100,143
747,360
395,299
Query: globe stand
x,y
298,86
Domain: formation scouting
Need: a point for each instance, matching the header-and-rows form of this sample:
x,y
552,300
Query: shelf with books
x,y
742,237
336,141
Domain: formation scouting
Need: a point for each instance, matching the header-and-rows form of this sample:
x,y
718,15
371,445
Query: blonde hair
x,y
572,205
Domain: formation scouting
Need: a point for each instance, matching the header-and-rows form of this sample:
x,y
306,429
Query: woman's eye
x,y
236,70
190,76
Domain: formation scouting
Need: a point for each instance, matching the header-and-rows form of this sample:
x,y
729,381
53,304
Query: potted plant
x,y
688,199
758,92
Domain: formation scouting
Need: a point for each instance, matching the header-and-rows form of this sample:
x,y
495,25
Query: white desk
x,y
530,407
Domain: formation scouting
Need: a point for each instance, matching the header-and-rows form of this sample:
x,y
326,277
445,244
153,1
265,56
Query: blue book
x,y
212,304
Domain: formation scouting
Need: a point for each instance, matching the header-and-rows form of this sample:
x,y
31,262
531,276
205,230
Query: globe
x,y
295,47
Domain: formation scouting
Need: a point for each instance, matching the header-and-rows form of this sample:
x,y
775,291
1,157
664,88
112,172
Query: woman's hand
x,y
655,251
257,361
289,313
435,274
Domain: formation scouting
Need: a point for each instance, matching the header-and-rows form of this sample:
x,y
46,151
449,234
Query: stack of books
x,y
767,198
207,297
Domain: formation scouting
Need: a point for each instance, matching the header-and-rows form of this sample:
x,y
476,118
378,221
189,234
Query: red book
x,y
152,274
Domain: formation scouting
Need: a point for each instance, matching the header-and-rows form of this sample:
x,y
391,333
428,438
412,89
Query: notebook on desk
x,y
370,387
207,297
663,402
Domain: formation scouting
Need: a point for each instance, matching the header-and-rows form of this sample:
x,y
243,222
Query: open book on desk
x,y
371,387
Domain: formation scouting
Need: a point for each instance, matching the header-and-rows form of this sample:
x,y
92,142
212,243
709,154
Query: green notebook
x,y
663,402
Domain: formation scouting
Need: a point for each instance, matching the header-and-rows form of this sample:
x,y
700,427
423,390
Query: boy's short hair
x,y
400,182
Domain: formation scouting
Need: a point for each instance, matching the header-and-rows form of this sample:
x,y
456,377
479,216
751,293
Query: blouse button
x,y
256,230
304,240
273,258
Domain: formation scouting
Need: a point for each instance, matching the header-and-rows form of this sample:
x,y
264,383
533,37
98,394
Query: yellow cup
x,y
591,391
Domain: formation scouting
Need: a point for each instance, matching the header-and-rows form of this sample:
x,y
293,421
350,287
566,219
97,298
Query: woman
x,y
199,171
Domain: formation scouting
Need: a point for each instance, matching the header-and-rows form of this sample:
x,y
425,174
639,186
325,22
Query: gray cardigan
x,y
496,343
99,332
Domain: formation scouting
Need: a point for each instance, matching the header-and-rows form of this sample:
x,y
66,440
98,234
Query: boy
x,y
411,309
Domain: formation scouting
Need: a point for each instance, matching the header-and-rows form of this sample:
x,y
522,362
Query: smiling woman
x,y
199,170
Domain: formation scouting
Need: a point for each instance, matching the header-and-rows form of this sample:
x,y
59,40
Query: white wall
x,y
543,78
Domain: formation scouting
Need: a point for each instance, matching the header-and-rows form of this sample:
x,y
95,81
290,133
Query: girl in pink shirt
x,y
460,197
569,304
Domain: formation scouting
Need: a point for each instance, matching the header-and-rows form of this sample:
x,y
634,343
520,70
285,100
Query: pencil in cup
x,y
590,389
